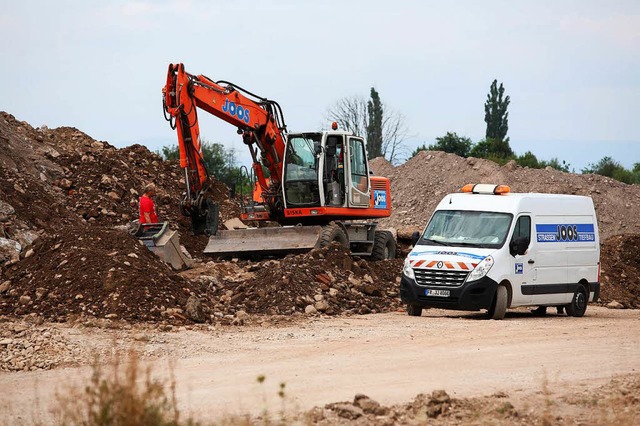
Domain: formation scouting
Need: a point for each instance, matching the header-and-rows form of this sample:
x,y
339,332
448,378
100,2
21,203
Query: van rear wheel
x,y
414,310
578,305
498,308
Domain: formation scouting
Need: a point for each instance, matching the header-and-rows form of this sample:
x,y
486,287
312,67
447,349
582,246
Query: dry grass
x,y
125,395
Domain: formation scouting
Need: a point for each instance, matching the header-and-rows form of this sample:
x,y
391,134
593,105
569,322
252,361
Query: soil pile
x,y
103,273
65,200
620,274
418,185
326,280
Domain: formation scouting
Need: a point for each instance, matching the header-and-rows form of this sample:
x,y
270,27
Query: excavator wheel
x,y
384,246
333,232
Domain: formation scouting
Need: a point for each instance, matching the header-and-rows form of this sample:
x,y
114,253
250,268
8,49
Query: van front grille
x,y
439,277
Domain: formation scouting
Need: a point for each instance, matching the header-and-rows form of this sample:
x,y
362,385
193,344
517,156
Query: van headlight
x,y
407,270
481,269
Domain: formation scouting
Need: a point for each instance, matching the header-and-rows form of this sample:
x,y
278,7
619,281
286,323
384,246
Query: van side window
x,y
522,229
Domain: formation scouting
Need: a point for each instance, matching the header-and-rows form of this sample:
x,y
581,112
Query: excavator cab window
x,y
358,173
301,171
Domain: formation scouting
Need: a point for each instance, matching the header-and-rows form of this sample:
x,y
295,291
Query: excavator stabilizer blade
x,y
263,240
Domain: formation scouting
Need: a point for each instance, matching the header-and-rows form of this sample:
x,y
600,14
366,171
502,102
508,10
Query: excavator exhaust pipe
x,y
286,239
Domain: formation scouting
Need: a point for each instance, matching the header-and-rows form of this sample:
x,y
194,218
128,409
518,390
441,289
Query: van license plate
x,y
437,292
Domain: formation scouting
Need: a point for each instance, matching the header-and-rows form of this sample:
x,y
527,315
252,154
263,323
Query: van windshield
x,y
467,228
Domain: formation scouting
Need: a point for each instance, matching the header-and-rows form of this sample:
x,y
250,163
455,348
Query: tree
x,y
493,149
609,167
495,113
362,117
374,125
453,144
528,159
219,161
556,164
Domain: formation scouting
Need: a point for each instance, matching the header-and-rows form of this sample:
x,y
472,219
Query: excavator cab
x,y
326,169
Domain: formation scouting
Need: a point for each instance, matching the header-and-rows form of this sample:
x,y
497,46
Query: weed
x,y
125,396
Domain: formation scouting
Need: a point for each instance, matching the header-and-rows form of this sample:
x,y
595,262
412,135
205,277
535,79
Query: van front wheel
x,y
498,308
414,310
578,305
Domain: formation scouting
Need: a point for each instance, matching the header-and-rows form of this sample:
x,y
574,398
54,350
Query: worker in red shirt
x,y
147,207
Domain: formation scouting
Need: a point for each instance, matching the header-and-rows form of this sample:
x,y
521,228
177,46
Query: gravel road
x,y
389,357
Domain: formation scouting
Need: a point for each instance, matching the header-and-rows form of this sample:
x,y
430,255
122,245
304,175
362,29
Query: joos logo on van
x,y
236,110
553,233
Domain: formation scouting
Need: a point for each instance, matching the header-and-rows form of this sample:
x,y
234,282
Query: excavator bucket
x,y
165,243
286,239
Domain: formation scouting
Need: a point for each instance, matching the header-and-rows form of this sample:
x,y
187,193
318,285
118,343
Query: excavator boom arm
x,y
256,119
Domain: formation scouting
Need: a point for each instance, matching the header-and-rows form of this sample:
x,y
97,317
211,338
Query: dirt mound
x,y
418,185
326,280
619,274
62,196
97,272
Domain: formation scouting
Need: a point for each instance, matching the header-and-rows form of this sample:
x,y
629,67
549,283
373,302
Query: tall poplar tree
x,y
374,126
495,113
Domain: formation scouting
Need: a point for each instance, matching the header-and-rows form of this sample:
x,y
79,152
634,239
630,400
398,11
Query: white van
x,y
487,248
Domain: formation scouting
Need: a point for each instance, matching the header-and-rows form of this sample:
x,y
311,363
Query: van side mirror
x,y
415,237
317,148
519,246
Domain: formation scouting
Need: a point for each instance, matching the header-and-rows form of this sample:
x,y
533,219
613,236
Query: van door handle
x,y
531,262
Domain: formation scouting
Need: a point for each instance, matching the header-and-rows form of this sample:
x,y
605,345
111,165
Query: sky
x,y
571,68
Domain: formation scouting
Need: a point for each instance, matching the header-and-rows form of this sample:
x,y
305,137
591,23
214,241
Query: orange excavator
x,y
316,185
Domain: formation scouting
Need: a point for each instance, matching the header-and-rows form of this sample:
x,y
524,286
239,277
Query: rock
x,y
324,278
310,309
235,223
28,253
6,210
9,249
40,292
369,406
321,306
4,287
615,305
194,310
141,337
333,292
5,342
65,184
346,411
242,315
24,299
132,255
318,297
440,396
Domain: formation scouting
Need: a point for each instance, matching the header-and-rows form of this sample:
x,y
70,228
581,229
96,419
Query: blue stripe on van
x,y
567,233
449,253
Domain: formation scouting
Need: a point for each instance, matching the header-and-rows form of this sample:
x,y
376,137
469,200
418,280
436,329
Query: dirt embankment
x,y
65,199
